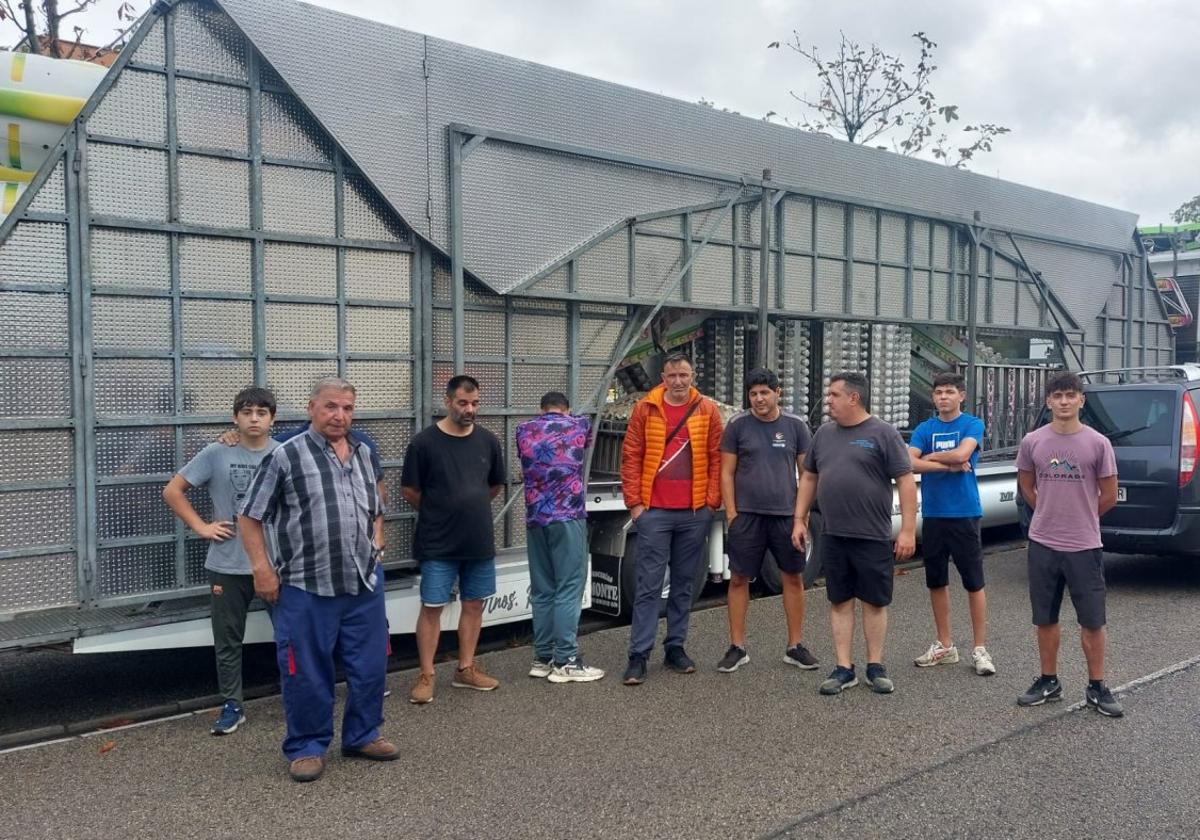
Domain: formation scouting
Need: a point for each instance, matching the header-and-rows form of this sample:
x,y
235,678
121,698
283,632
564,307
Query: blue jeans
x,y
666,539
476,580
312,634
557,575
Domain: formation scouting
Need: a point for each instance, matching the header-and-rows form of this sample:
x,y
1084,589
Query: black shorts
x,y
857,568
942,539
1081,571
749,537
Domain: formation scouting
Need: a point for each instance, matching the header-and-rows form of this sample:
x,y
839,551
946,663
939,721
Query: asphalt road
x,y
756,753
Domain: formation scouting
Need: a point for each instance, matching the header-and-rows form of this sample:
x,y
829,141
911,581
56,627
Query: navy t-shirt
x,y
765,479
949,495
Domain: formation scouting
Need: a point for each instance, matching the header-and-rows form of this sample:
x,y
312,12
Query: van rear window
x,y
1133,417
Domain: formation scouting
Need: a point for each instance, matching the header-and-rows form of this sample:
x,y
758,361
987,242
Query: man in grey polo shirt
x,y
320,494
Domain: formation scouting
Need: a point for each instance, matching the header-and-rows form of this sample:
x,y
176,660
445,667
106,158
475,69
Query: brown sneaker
x,y
378,750
307,769
422,692
473,677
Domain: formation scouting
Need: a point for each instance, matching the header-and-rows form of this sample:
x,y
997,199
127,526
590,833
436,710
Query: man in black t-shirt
x,y
452,471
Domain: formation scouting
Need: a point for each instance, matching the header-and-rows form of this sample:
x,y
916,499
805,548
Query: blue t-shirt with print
x,y
949,495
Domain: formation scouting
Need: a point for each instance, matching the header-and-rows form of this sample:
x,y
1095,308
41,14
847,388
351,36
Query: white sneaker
x,y
574,670
983,662
937,655
540,670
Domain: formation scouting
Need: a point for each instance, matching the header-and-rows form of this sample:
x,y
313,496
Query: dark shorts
x,y
942,539
1080,571
749,537
857,568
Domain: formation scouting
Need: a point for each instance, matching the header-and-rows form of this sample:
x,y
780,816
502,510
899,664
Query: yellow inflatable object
x,y
39,97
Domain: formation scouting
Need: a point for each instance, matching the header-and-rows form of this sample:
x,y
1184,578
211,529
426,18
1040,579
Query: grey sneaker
x,y
1102,700
937,655
575,670
982,661
541,668
878,679
801,657
733,659
1043,690
839,680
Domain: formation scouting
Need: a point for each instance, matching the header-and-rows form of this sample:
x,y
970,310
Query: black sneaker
x,y
635,674
839,680
733,659
678,661
878,679
1102,700
800,656
1043,689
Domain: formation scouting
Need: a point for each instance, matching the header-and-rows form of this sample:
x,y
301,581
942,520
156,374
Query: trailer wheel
x,y
629,578
772,578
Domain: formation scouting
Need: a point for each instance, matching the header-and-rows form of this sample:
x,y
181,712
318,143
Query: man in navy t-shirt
x,y
944,450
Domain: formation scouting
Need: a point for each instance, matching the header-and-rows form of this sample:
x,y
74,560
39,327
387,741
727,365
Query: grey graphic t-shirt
x,y
226,472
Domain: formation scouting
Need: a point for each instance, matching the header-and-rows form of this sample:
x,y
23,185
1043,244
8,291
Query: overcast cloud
x,y
1100,97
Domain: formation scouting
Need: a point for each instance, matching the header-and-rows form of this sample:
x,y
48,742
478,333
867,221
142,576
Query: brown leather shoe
x,y
473,677
378,750
422,691
307,769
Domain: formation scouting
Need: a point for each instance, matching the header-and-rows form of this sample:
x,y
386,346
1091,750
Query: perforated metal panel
x,y
862,300
390,436
891,292
365,214
135,568
830,274
196,438
138,450
129,323
491,383
134,108
211,264
556,282
289,133
33,321
214,192
525,304
381,386
291,380
206,40
209,385
35,252
518,532
604,268
211,326
301,328
1115,307
442,328
195,554
298,200
129,258
399,534
1004,302
51,197
372,330
598,338
920,242
379,275
712,275
831,228
797,223
590,378
300,269
748,273
36,517
35,388
127,182
656,260
942,305
153,49
37,582
484,333
864,234
941,246
36,455
530,382
892,238
797,283
212,116
134,387
538,335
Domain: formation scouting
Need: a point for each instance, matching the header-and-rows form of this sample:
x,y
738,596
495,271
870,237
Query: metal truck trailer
x,y
232,206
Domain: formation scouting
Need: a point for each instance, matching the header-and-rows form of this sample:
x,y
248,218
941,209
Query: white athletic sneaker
x,y
540,670
937,655
574,670
983,662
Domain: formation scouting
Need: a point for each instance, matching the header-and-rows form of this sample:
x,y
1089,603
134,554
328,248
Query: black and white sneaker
x,y
1043,690
801,657
839,680
733,659
878,680
1102,700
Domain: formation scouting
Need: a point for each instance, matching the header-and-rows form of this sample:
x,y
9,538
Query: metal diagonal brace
x,y
1053,305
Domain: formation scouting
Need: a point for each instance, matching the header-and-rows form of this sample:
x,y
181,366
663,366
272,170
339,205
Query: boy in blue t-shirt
x,y
945,449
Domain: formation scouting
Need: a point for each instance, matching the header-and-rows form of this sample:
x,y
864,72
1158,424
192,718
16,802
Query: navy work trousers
x,y
666,539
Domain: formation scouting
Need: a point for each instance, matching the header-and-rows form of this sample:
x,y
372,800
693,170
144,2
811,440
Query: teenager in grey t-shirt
x,y
226,472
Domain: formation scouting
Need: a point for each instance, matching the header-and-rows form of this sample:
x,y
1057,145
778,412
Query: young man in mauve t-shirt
x,y
1068,475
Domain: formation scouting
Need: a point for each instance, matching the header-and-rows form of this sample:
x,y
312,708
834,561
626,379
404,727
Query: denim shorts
x,y
476,580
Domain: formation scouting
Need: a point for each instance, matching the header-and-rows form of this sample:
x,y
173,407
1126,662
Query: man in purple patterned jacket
x,y
552,449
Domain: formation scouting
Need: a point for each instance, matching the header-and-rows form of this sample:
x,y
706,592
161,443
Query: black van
x,y
1150,416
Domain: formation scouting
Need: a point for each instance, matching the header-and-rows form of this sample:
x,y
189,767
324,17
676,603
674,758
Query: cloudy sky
x,y
1100,97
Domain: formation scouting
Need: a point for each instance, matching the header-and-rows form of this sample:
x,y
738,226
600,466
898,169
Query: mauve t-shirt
x,y
1067,469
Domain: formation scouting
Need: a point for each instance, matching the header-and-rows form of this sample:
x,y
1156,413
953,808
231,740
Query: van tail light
x,y
1189,437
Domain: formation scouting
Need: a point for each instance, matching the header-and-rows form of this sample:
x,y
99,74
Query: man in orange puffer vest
x,y
671,481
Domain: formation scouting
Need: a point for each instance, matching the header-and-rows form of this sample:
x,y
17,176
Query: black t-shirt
x,y
455,476
765,479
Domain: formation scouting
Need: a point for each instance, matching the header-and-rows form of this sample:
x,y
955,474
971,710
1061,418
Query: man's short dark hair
x,y
554,399
761,376
1064,380
254,397
463,382
857,383
950,379
678,358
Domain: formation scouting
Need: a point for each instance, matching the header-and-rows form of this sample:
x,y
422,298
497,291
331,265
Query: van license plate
x,y
1121,494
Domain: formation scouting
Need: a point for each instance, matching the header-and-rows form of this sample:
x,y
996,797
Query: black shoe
x,y
1043,689
733,659
677,660
1102,700
878,679
635,674
839,680
800,656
